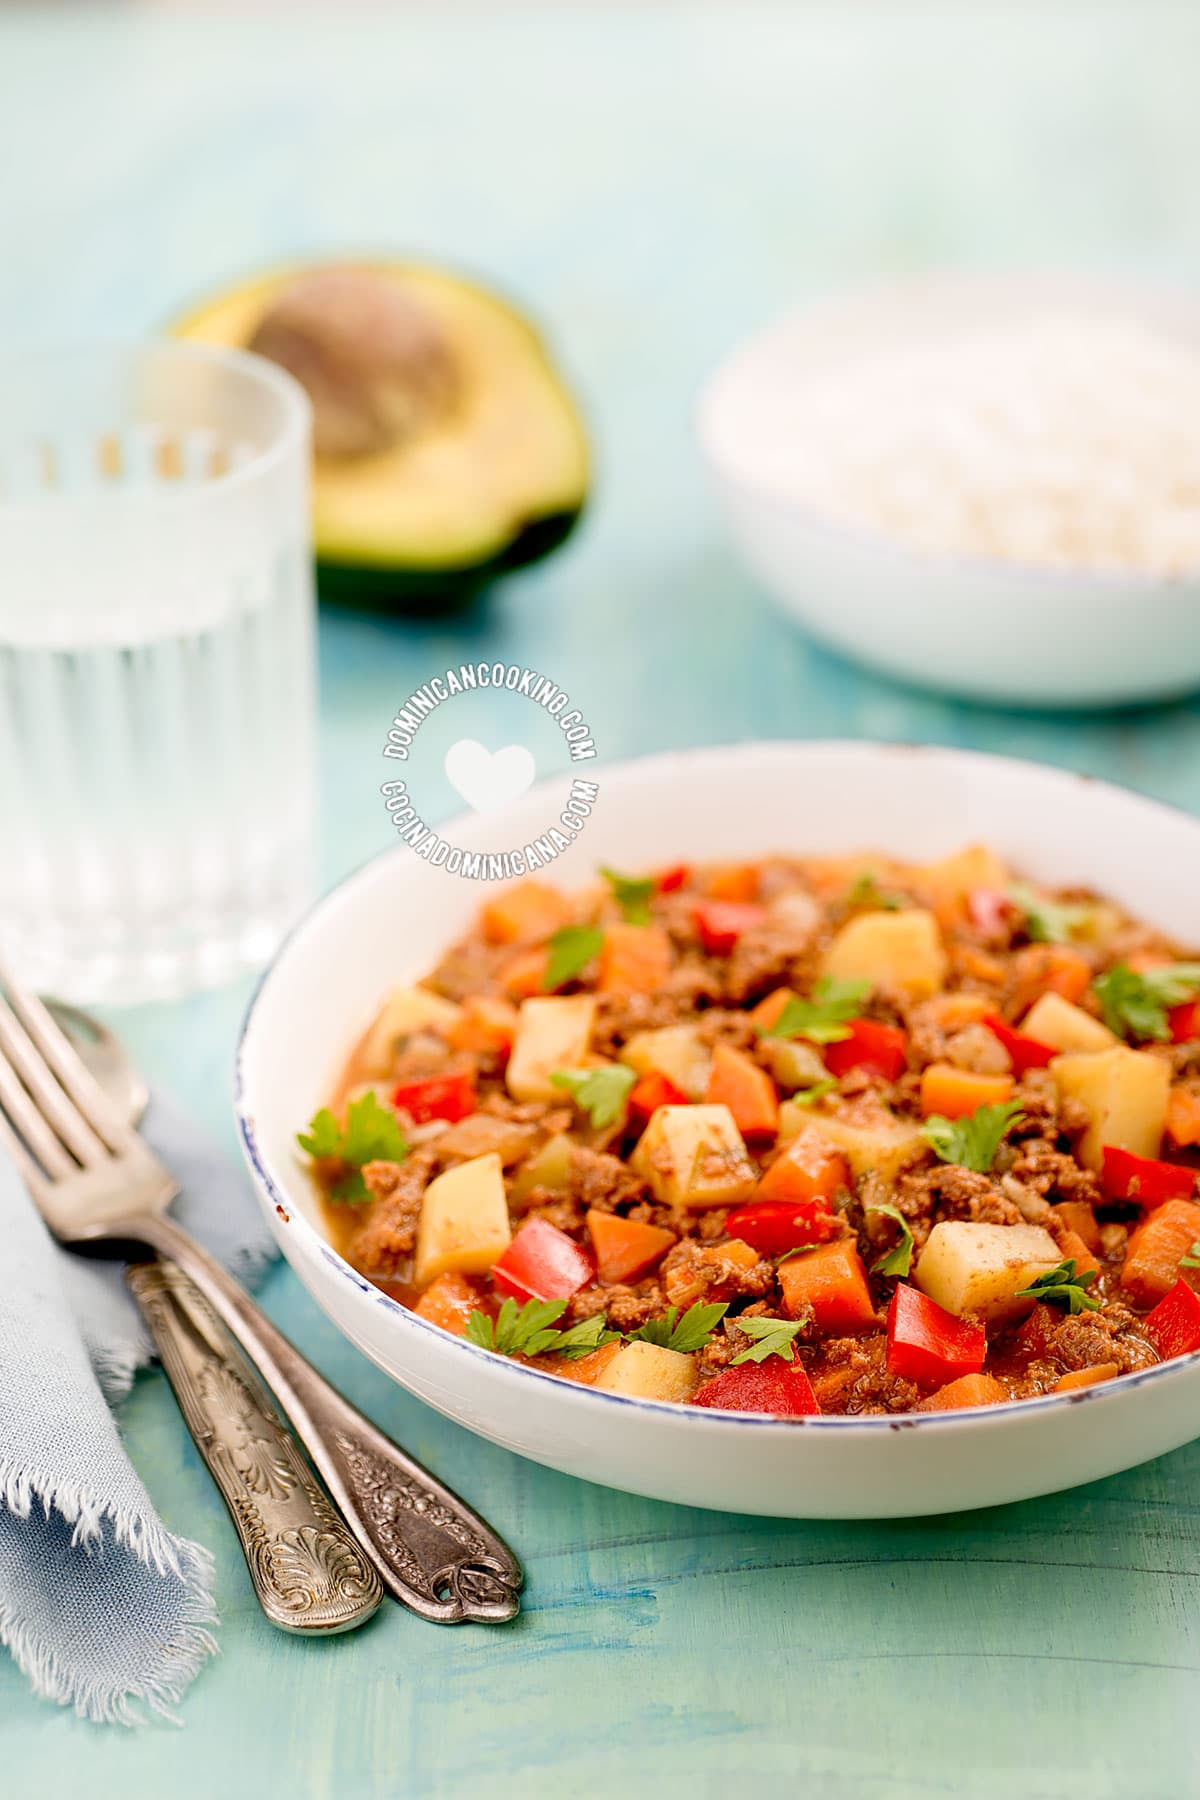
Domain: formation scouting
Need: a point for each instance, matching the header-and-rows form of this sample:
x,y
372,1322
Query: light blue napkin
x,y
102,1607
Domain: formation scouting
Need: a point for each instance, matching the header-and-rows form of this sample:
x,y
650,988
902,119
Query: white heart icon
x,y
487,779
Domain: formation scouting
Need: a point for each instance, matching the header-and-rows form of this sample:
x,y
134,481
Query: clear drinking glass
x,y
156,666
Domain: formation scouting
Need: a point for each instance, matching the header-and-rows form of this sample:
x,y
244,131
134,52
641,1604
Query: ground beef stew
x,y
803,1135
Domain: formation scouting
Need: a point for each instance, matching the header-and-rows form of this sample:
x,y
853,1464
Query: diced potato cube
x,y
966,870
674,1051
552,1033
1053,1020
407,1010
794,1064
898,950
650,1372
463,1226
971,1268
694,1156
548,1169
1125,1093
883,1143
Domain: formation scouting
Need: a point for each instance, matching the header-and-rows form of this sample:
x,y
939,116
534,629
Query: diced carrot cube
x,y
953,1011
968,1390
1072,1245
810,1168
1078,1216
831,1281
626,1248
738,881
768,1011
584,1369
449,1302
525,976
830,1385
748,1091
634,959
1049,969
1183,1115
980,965
1083,1378
525,914
1151,1266
955,1093
485,1024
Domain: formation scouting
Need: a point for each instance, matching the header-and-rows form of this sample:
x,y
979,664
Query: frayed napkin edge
x,y
154,1546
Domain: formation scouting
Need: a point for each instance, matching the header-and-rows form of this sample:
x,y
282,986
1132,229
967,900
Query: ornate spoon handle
x,y
431,1551
308,1572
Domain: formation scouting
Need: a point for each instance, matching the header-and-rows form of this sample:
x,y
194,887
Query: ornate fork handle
x,y
431,1551
308,1571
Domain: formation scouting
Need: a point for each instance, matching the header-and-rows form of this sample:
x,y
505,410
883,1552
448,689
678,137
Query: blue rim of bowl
x,y
697,1417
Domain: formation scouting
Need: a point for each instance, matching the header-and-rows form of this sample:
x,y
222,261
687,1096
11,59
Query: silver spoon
x,y
306,1568
432,1552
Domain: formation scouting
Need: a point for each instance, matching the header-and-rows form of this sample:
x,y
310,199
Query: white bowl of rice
x,y
987,485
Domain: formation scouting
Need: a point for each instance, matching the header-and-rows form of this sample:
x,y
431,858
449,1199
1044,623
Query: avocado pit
x,y
374,361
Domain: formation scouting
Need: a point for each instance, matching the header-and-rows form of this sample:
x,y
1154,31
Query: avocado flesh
x,y
507,467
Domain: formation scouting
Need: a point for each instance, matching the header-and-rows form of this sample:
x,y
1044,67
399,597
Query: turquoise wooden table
x,y
655,181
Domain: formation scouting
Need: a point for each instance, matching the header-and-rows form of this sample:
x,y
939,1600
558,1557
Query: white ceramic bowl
x,y
988,630
390,921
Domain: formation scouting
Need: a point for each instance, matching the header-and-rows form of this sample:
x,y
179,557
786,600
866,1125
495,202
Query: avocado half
x,y
492,480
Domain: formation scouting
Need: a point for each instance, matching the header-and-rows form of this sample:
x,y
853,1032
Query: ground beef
x,y
861,1383
693,1274
718,1025
770,956
620,1016
949,1192
1054,1174
595,1179
386,1238
1085,1340
470,968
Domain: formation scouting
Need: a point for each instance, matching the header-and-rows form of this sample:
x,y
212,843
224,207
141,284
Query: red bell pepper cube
x,y
440,1097
928,1345
542,1263
879,1049
651,1092
1145,1179
1024,1052
773,1227
1183,1021
989,911
721,923
774,1386
1174,1325
671,880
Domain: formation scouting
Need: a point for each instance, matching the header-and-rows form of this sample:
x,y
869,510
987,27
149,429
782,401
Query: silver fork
x,y
97,1181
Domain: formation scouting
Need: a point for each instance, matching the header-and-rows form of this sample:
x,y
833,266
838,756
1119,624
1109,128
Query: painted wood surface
x,y
655,181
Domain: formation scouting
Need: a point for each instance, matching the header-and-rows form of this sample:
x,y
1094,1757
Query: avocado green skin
x,y
423,593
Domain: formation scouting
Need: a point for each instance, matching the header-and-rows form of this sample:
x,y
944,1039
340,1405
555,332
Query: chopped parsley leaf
x,y
971,1142
601,1093
1135,1002
1063,1287
773,1337
897,1260
632,894
823,1019
691,1332
571,950
371,1134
